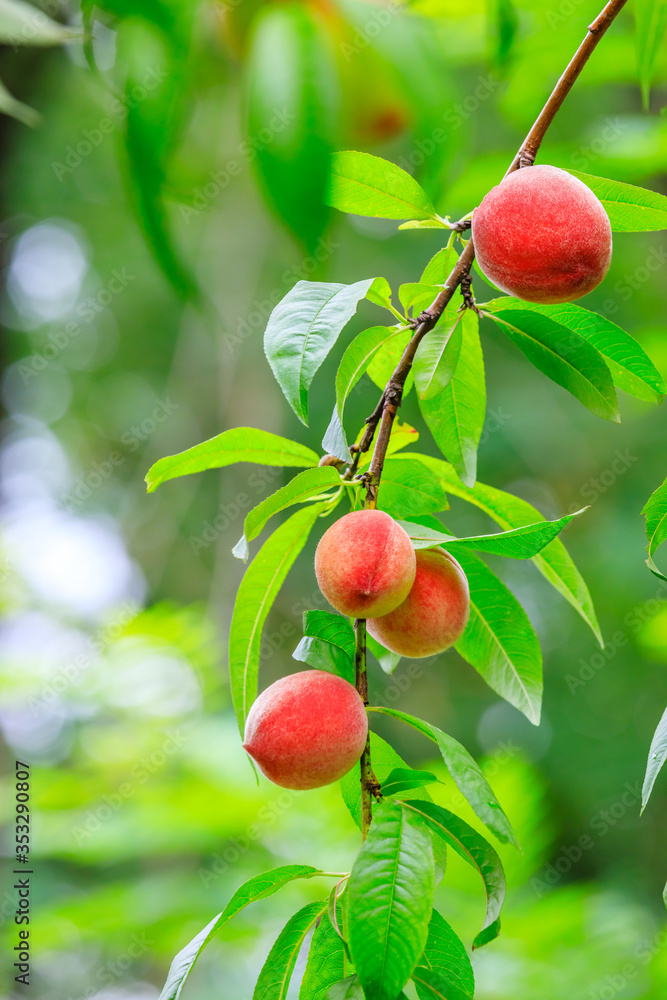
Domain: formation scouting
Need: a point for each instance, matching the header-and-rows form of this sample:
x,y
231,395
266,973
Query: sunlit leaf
x,y
305,485
438,355
655,512
362,184
657,756
240,444
631,209
25,24
408,488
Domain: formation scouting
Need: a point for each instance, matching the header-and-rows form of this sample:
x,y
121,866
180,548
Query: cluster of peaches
x,y
310,728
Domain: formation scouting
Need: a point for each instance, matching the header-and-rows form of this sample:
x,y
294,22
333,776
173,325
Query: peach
x,y
306,730
435,613
365,564
542,235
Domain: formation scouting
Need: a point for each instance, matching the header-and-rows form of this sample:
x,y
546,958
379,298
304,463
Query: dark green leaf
x,y
404,779
499,640
562,355
630,209
274,979
301,331
362,184
258,887
293,92
390,896
240,444
657,756
466,773
511,512
408,488
257,592
328,643
433,985
504,26
476,851
630,367
455,417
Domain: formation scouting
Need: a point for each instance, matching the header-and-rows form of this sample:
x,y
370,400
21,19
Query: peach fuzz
x,y
543,236
365,564
306,730
435,613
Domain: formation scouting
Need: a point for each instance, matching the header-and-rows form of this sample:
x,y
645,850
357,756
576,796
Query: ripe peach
x,y
365,564
435,613
306,730
542,235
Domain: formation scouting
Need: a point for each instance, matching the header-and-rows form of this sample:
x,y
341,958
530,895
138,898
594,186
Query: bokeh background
x,y
117,603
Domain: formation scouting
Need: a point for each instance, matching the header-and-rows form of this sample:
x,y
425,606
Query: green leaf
x,y
384,361
408,488
425,224
455,417
509,511
517,543
274,979
402,436
356,359
257,592
433,985
438,355
440,266
476,851
387,660
328,643
631,368
258,887
651,21
240,444
445,957
390,897
417,296
301,331
631,209
655,512
293,94
380,293
499,640
24,24
404,779
467,774
305,485
362,184
325,965
562,355
657,756
346,989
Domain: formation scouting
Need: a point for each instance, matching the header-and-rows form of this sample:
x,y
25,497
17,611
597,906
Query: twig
x,y
385,411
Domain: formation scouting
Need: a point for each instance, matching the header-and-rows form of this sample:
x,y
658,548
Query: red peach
x,y
306,730
365,564
435,613
542,235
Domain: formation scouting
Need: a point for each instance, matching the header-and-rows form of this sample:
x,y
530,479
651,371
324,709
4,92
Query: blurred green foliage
x,y
117,604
